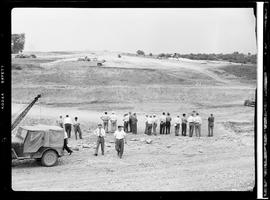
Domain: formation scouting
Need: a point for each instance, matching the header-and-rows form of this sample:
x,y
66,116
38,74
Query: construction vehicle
x,y
249,102
41,142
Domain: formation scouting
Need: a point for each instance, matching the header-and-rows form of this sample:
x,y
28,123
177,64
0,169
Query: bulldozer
x,y
41,142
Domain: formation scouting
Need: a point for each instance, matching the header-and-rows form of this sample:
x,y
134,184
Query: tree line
x,y
231,57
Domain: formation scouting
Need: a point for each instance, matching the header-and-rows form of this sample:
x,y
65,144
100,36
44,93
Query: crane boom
x,y
22,115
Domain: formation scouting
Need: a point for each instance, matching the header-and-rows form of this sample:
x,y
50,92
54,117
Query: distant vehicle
x,y
41,142
94,62
25,56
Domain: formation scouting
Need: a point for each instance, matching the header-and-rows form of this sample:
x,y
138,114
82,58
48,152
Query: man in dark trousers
x,y
67,124
184,125
77,128
191,124
100,133
130,122
168,124
134,121
162,123
120,136
65,147
211,120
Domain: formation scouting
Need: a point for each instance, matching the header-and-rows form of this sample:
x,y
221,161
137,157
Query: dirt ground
x,y
142,85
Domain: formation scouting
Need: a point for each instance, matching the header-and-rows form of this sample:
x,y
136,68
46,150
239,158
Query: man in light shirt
x,y
191,124
105,118
177,122
120,136
113,120
100,133
162,123
126,122
67,124
149,125
154,124
77,128
197,122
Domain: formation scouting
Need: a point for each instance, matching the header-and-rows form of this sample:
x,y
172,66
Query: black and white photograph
x,y
133,99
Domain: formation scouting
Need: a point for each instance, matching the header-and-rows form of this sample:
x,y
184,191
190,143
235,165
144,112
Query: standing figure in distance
x,y
120,136
154,124
162,123
149,125
198,123
77,128
67,124
211,120
168,124
59,122
146,124
184,125
134,121
126,122
113,120
129,122
191,124
177,122
105,118
100,133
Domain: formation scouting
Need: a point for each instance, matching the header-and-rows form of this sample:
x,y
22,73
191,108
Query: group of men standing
x,y
193,123
130,122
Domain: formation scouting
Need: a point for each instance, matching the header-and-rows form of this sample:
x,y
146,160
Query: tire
x,y
49,158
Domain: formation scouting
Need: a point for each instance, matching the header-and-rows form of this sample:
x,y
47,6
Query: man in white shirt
x,y
191,124
162,123
177,122
100,133
154,124
113,120
67,124
120,136
105,118
197,122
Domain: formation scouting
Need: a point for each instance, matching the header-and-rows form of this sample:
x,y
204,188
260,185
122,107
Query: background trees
x,y
17,43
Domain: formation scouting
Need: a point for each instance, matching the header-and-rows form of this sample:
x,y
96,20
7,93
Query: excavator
x,y
41,142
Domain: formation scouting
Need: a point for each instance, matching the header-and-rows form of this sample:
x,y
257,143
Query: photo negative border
x,y
5,92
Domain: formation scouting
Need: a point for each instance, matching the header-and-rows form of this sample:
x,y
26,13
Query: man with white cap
x,y
113,120
100,133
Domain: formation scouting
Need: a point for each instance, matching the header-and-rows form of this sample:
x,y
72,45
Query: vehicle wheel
x,y
49,158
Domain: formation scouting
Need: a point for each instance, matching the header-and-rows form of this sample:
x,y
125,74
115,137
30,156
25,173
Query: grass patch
x,y
248,72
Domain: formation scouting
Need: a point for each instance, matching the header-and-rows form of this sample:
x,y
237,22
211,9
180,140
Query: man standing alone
x,y
120,136
184,125
168,123
100,133
211,125
162,123
105,118
198,123
67,124
191,124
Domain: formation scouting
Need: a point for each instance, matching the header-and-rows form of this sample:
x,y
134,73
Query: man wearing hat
x,y
100,133
120,136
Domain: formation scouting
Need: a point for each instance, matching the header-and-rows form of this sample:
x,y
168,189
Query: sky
x,y
153,30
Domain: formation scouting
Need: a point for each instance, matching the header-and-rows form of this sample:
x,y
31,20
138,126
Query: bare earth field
x,y
142,85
